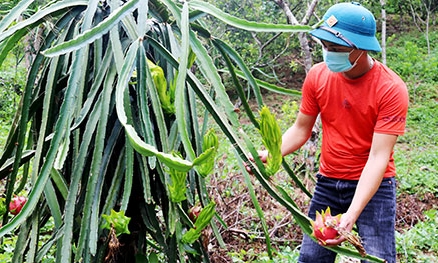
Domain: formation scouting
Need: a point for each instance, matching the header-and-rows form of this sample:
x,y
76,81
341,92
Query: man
x,y
363,107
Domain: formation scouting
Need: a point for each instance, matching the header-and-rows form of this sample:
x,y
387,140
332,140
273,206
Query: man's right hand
x,y
263,155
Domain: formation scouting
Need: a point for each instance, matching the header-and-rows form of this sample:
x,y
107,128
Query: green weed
x,y
416,157
420,244
284,254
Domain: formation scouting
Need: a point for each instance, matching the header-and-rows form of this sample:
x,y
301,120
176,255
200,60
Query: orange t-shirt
x,y
351,111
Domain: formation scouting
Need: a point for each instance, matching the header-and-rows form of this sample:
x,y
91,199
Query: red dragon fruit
x,y
17,204
194,212
320,230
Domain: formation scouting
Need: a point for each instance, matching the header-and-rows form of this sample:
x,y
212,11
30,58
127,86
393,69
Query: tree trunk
x,y
302,37
382,2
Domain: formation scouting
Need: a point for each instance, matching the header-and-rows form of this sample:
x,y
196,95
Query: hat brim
x,y
369,43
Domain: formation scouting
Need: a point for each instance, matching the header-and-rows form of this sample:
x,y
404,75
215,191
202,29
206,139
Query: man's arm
x,y
297,134
370,180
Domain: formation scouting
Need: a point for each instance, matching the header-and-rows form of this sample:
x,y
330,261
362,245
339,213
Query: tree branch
x,y
304,43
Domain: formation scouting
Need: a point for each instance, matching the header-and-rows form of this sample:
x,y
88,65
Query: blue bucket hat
x,y
349,24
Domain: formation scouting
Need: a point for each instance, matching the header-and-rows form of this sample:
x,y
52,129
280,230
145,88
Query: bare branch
x,y
284,4
304,43
270,41
310,11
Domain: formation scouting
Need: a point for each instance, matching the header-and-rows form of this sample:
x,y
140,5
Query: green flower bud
x,y
272,139
166,97
177,189
201,222
118,221
210,140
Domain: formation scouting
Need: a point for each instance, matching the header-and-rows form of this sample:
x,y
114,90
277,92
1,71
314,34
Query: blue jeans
x,y
376,224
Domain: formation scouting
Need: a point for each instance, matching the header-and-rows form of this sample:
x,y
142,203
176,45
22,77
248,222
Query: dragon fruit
x,y
17,204
321,231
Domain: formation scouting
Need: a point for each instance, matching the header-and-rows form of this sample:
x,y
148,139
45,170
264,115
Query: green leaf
x,y
142,25
75,86
210,72
94,33
69,100
89,231
227,52
148,150
268,86
143,103
156,109
245,24
59,182
40,16
14,14
7,166
53,203
122,96
10,43
180,91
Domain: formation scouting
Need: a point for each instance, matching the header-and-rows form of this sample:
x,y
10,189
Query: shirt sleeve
x,y
309,104
393,110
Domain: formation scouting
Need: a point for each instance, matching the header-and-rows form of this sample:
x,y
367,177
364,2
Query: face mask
x,y
338,61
